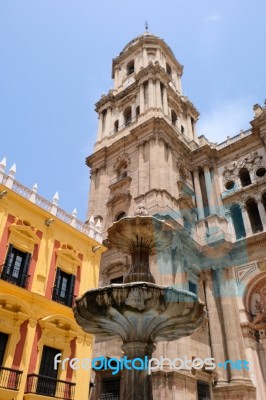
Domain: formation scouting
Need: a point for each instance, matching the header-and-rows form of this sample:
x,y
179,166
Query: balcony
x,y
185,187
10,378
123,177
50,387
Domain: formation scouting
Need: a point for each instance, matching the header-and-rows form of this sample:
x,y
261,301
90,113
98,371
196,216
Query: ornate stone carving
x,y
141,210
122,162
249,161
258,304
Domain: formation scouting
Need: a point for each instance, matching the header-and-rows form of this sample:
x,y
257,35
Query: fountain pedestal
x,y
139,311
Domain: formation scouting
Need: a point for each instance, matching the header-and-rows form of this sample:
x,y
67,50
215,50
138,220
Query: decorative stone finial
x,y
3,164
141,210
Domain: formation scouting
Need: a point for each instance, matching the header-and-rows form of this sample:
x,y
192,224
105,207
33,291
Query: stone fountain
x,y
139,311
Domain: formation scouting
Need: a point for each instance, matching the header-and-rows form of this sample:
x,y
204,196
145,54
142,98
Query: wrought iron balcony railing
x,y
67,299
46,386
10,378
20,280
118,178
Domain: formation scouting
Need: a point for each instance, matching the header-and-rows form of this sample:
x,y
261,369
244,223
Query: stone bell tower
x,y
146,131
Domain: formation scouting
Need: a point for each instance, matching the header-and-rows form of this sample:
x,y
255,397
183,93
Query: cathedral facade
x,y
148,156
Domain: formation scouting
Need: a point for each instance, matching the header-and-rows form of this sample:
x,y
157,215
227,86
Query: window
x,y
116,126
137,110
173,117
229,185
182,129
63,290
261,172
168,69
130,67
110,389
203,391
127,115
47,374
16,267
192,287
254,216
119,279
244,177
237,220
3,343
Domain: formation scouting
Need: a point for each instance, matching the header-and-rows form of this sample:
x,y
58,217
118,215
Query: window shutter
x,y
6,269
24,270
56,284
71,290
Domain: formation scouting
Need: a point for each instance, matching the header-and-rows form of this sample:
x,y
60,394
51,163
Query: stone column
x,y
141,99
165,102
246,220
158,56
262,213
161,164
198,194
142,172
215,325
221,211
231,322
172,181
189,126
108,121
100,127
158,94
133,111
209,189
231,228
151,93
145,58
153,163
136,384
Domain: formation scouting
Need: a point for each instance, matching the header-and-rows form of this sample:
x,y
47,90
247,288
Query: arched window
x,y
120,215
254,216
173,117
116,125
168,69
127,115
238,223
244,177
130,67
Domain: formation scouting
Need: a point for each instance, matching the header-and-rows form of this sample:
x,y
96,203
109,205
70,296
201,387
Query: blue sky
x,y
56,60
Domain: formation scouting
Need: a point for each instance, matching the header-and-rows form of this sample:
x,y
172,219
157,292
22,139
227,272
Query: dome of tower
x,y
146,36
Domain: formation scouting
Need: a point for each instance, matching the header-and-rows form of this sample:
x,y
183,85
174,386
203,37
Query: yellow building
x,y
47,259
